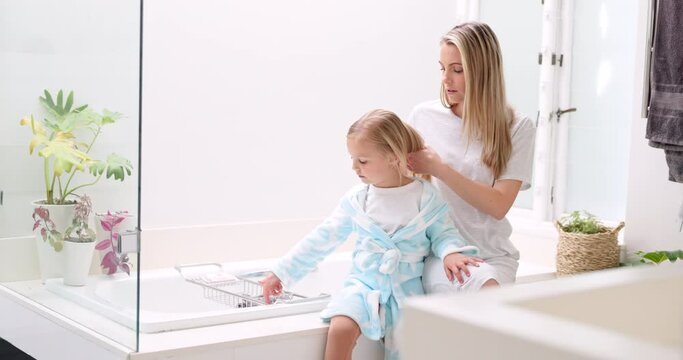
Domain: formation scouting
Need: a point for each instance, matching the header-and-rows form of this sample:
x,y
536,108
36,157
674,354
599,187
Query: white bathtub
x,y
169,302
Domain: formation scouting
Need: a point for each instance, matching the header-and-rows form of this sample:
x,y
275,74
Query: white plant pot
x,y
51,262
77,260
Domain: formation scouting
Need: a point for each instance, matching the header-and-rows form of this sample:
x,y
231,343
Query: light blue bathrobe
x,y
386,268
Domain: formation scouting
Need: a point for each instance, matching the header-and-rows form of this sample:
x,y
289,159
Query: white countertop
x,y
619,313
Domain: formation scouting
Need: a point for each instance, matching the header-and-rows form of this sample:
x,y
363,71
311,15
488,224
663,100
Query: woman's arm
x,y
493,200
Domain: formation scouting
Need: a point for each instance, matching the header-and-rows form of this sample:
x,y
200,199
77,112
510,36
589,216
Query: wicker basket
x,y
578,252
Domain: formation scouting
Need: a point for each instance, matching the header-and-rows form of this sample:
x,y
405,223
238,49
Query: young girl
x,y
398,219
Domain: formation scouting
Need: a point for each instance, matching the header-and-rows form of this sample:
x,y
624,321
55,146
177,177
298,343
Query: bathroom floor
x,y
9,352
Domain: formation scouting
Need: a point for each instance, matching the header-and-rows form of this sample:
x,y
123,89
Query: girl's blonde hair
x,y
486,113
390,135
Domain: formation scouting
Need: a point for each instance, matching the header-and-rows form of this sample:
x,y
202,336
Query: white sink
x,y
626,313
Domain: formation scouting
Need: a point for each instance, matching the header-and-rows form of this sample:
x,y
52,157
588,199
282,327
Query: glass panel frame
x,y
94,50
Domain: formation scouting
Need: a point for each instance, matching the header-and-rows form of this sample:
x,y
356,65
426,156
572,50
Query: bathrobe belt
x,y
379,301
388,266
392,257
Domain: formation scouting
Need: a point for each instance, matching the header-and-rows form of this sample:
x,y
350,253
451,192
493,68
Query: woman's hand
x,y
454,263
272,286
494,200
425,161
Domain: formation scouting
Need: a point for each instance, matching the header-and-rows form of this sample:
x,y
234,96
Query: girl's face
x,y
371,165
452,76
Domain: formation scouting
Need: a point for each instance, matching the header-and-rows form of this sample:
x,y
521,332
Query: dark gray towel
x,y
674,159
665,116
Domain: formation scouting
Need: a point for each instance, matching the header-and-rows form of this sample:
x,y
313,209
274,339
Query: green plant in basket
x,y
582,222
64,139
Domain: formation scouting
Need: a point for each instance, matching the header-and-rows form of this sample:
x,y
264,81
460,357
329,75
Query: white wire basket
x,y
238,291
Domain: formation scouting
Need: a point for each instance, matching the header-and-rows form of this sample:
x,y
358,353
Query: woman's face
x,y
452,76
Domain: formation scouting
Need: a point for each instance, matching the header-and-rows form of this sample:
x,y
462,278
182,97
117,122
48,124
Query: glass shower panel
x,y
520,40
603,58
56,57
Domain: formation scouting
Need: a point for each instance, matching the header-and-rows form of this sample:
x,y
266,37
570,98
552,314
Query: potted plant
x,y
79,244
110,226
64,139
586,244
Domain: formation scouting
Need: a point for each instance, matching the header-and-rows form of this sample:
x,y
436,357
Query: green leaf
x,y
109,117
69,101
37,140
69,230
79,120
115,166
656,257
671,255
54,109
56,240
97,167
60,101
581,222
48,99
80,108
65,155
52,125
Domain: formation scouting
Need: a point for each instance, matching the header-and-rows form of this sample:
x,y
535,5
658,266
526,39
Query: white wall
x,y
653,202
247,104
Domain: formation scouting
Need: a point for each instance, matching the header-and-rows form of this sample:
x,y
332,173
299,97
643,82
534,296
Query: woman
x,y
479,152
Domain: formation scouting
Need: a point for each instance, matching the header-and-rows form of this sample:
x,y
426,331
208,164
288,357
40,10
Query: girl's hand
x,y
454,263
272,286
425,161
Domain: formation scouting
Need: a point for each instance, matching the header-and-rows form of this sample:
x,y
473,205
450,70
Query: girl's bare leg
x,y
490,283
341,338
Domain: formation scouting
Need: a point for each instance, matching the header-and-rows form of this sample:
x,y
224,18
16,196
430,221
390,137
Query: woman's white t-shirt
x,y
443,131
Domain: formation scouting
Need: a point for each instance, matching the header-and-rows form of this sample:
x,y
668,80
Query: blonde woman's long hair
x,y
486,113
390,135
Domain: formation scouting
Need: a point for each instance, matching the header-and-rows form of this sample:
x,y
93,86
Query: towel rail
x,y
651,14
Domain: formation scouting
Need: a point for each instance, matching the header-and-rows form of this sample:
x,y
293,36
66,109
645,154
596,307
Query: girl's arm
x,y
448,244
313,248
493,200
272,286
455,263
445,239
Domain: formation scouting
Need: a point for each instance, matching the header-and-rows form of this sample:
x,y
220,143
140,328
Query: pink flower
x,y
111,261
110,220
